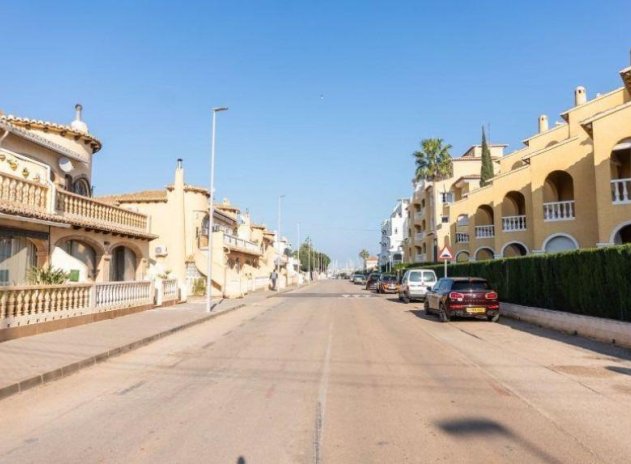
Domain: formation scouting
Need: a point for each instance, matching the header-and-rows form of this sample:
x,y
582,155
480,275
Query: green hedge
x,y
595,282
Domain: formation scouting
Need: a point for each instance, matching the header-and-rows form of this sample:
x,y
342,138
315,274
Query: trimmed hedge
x,y
594,282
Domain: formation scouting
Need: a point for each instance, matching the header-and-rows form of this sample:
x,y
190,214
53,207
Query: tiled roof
x,y
47,126
136,197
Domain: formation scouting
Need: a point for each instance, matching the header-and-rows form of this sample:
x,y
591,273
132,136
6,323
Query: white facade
x,y
394,231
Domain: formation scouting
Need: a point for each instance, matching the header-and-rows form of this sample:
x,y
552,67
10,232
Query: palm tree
x,y
433,161
364,255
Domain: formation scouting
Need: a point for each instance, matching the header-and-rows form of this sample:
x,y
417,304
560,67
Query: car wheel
x,y
443,314
406,298
494,318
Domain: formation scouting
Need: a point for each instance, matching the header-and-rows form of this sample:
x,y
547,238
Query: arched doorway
x,y
462,257
484,220
514,249
513,212
123,264
558,197
17,256
484,254
78,258
623,235
620,162
559,242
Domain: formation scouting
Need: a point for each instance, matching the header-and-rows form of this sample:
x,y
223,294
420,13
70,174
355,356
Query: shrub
x,y
199,287
46,275
594,282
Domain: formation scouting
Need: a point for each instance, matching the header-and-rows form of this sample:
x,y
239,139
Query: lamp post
x,y
280,246
209,270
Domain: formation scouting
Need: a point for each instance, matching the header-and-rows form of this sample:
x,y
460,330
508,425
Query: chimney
x,y
179,163
543,123
580,96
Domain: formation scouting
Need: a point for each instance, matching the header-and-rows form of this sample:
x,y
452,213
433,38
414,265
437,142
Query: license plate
x,y
476,310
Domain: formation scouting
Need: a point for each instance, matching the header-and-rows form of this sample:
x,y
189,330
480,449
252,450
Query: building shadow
x,y
570,339
482,428
619,370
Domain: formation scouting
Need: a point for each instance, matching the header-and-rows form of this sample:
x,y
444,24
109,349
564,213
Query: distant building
x,y
372,262
394,231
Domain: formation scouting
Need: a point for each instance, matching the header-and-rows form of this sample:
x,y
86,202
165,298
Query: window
x,y
81,187
475,285
444,219
447,197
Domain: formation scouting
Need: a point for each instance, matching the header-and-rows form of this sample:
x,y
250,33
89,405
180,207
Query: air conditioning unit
x,y
161,250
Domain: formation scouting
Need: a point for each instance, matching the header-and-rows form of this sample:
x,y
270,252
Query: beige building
x,y
243,253
568,188
428,214
48,215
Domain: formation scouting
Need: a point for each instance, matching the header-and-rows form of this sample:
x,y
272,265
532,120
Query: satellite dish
x,y
65,165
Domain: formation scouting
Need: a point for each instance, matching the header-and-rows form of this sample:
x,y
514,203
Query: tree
x,y
310,258
433,161
364,255
486,171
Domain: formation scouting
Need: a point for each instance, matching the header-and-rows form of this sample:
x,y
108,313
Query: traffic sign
x,y
446,254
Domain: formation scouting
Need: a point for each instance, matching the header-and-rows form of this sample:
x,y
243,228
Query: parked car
x,y
463,297
388,283
358,279
371,282
414,284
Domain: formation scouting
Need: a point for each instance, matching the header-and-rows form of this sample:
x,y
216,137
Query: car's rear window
x,y
476,285
389,278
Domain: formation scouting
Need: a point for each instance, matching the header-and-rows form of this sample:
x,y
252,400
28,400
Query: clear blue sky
x,y
390,73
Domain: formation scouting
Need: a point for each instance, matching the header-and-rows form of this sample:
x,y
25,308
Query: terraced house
x,y
569,187
48,217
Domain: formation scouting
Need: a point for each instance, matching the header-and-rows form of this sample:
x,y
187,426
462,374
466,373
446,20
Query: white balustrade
x,y
513,223
239,243
487,231
621,191
116,295
29,304
23,194
87,209
558,211
462,238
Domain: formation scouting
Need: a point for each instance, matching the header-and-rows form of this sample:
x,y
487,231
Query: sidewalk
x,y
31,361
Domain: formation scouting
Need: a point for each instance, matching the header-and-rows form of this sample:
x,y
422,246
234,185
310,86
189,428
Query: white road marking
x,y
321,406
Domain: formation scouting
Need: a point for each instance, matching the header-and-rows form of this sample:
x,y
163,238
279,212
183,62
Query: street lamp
x,y
280,246
211,205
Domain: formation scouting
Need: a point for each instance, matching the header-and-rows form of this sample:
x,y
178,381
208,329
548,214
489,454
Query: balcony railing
x,y
77,207
558,211
235,242
620,191
485,231
462,238
420,236
23,194
513,223
420,258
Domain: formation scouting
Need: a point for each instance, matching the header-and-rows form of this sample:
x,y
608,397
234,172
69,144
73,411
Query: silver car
x,y
415,283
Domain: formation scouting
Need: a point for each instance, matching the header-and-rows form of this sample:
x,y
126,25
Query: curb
x,y
71,368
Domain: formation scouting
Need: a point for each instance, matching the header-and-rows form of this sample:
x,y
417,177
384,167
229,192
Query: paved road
x,y
324,376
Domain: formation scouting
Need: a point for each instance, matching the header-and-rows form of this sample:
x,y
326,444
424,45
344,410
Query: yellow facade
x,y
568,188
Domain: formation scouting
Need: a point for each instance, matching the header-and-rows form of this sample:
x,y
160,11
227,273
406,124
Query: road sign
x,y
446,254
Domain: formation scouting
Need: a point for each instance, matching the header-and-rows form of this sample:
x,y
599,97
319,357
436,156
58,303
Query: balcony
x,y
620,191
558,211
420,258
487,231
513,223
238,244
92,212
31,198
420,236
462,238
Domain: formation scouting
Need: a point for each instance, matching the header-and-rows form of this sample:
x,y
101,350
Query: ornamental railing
x,y
118,295
558,211
513,223
235,242
487,231
621,191
78,207
462,238
23,194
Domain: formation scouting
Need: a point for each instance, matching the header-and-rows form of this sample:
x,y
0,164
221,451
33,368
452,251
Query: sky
x,y
328,99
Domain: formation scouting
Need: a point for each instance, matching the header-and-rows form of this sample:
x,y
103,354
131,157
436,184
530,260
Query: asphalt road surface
x,y
333,374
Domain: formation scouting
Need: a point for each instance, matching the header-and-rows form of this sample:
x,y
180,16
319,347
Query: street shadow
x,y
619,370
420,313
241,460
570,339
482,428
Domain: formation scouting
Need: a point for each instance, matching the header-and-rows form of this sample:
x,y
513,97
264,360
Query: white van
x,y
415,283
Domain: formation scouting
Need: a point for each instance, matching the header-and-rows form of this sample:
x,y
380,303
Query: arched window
x,y
81,187
123,265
